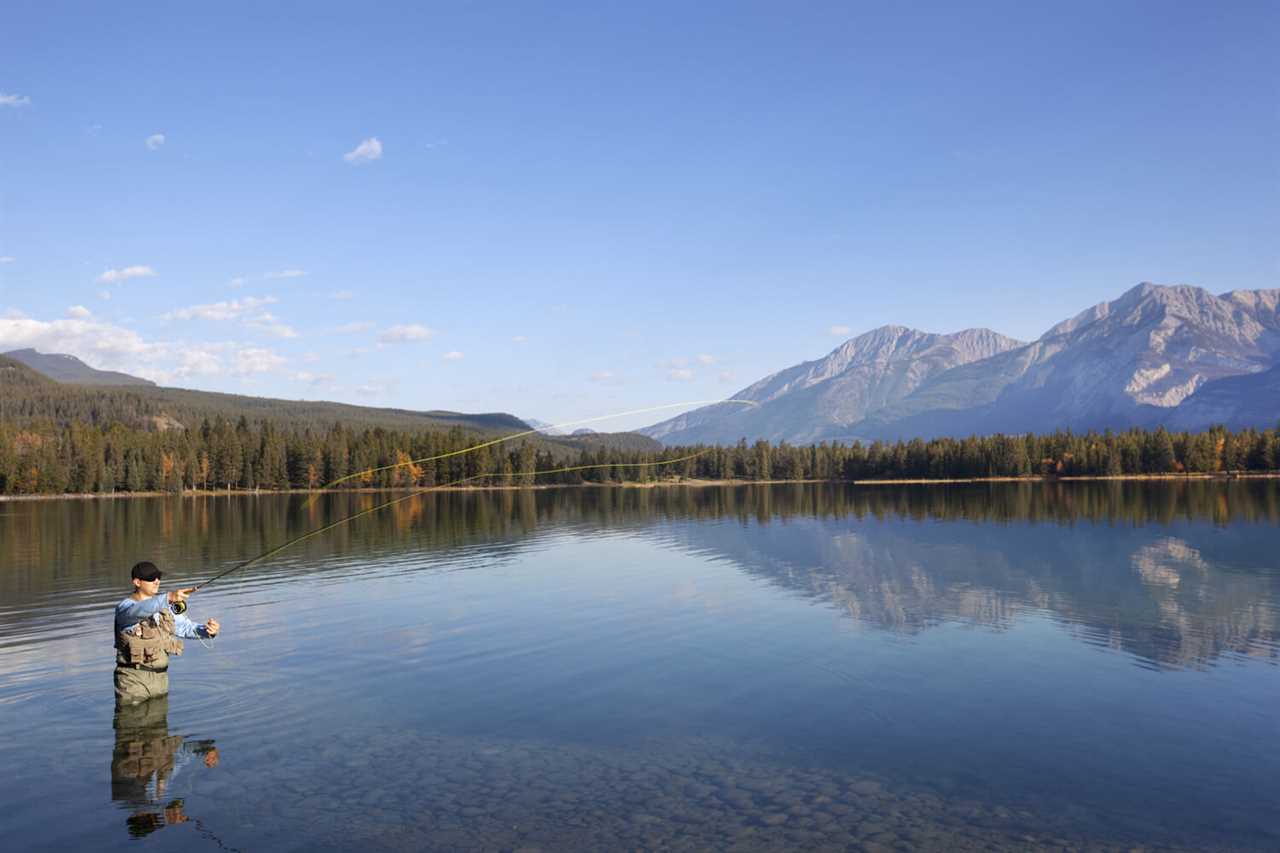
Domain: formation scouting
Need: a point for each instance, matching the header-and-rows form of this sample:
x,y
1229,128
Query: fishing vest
x,y
149,643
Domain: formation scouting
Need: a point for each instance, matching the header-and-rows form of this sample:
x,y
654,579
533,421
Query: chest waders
x,y
142,658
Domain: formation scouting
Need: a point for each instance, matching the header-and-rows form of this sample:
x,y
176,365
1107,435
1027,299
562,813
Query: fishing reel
x,y
178,607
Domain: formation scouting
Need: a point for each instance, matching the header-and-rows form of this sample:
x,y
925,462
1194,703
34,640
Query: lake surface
x,y
1015,666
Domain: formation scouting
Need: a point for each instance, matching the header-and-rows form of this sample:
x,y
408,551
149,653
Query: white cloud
x,y
602,376
678,361
236,283
403,333
313,378
154,141
706,359
197,360
14,100
7,259
290,273
366,152
267,324
229,310
342,295
680,374
110,347
354,328
104,295
310,357
257,360
116,276
839,331
725,376
519,339
376,387
79,312
453,355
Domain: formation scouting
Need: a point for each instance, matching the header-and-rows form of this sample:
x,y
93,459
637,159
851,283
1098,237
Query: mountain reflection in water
x,y
1168,571
1169,600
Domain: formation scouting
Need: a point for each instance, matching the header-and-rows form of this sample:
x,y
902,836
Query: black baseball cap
x,y
146,572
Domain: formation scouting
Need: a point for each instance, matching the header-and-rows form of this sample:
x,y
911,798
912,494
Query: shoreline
x,y
216,493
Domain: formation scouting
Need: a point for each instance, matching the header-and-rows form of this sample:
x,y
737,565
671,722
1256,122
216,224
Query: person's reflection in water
x,y
145,761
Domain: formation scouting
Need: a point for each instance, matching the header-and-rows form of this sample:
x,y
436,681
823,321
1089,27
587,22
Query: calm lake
x,y
1013,666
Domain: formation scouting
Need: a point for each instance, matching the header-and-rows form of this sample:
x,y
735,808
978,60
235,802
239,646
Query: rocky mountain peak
x,y
1132,360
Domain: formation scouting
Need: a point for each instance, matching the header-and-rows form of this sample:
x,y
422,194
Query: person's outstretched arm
x,y
188,630
130,612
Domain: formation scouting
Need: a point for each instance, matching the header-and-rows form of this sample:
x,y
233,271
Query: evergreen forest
x,y
68,439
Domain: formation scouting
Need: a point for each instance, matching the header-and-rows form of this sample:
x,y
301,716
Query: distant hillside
x,y
543,427
30,396
67,368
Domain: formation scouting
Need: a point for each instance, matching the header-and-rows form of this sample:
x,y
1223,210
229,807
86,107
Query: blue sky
x,y
561,210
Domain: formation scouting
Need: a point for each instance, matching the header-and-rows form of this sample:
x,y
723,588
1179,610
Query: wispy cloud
x,y
376,387
452,355
342,295
366,152
79,312
680,374
519,339
114,276
237,282
228,310
313,378
154,141
267,324
14,100
354,328
405,333
289,273
257,360
7,259
839,331
104,295
706,359
725,376
603,376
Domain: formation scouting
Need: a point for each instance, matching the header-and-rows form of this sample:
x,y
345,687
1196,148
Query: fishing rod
x,y
180,606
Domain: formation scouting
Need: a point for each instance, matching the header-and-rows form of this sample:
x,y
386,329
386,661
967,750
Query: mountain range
x,y
1158,355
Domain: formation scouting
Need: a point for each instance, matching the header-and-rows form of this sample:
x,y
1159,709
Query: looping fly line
x,y
514,436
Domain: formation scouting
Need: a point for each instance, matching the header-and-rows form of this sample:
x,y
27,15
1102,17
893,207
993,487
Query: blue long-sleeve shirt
x,y
130,612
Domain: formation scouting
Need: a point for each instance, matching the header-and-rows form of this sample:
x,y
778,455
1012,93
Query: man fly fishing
x,y
150,627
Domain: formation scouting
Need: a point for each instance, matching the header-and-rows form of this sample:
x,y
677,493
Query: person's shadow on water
x,y
144,762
